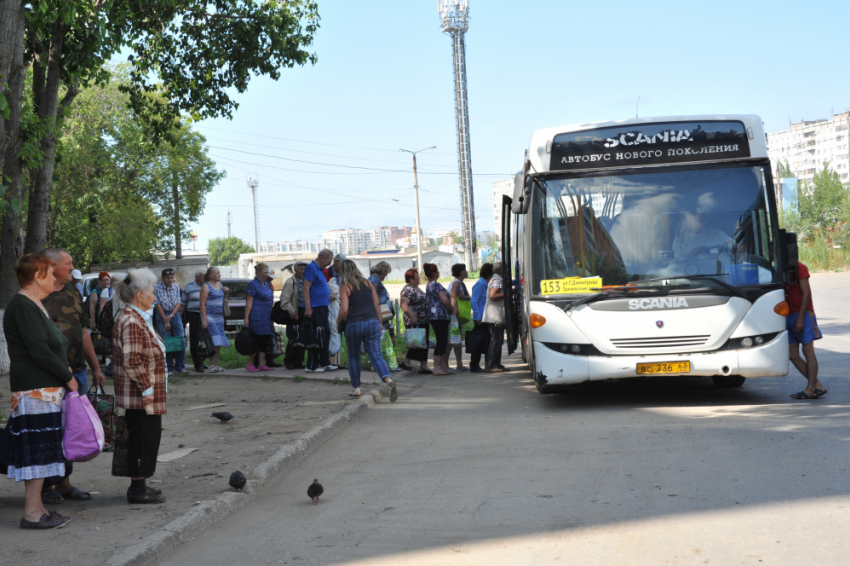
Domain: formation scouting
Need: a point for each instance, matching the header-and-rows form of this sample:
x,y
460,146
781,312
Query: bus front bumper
x,y
767,360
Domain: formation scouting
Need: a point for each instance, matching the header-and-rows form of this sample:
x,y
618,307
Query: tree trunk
x,y
48,107
15,74
175,192
12,24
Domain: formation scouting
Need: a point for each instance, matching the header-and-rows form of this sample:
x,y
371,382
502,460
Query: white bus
x,y
647,246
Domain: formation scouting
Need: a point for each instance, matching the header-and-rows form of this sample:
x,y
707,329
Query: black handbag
x,y
309,335
340,328
206,346
5,448
280,316
474,341
102,344
245,343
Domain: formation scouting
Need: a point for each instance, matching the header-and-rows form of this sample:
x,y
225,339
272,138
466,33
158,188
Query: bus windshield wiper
x,y
710,276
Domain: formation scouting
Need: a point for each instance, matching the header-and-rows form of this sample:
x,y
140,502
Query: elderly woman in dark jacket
x,y
39,377
139,380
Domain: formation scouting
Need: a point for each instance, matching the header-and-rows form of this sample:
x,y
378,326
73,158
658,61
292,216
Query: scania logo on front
x,y
665,303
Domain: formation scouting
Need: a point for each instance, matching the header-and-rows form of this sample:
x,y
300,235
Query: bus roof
x,y
544,141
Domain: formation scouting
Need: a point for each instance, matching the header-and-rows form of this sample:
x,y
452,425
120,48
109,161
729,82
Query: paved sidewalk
x,y
277,418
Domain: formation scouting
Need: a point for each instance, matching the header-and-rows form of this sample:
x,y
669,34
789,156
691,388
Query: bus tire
x,y
728,381
523,344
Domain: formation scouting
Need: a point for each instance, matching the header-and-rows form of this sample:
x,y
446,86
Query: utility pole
x,y
416,192
252,184
454,21
229,220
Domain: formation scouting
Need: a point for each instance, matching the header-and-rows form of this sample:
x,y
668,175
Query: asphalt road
x,y
484,470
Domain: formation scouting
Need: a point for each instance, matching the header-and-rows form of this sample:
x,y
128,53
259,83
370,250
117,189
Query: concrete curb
x,y
210,511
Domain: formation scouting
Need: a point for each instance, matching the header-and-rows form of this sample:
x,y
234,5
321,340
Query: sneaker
x,y
393,391
494,370
290,366
266,368
250,367
474,369
464,368
200,369
331,367
355,392
317,370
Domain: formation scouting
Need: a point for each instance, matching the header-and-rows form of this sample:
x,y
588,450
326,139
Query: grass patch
x,y
175,381
339,381
299,378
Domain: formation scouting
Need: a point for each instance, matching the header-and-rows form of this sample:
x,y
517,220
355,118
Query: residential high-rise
x,y
501,187
806,146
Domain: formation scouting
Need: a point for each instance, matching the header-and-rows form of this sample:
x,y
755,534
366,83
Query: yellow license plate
x,y
665,367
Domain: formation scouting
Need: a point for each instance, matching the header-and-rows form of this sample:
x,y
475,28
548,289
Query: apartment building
x,y
502,187
290,246
807,145
354,240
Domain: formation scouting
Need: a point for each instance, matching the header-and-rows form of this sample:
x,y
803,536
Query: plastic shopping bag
x,y
454,332
82,439
388,351
464,312
416,338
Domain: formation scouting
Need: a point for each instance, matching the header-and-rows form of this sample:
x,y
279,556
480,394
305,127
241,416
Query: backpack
x,y
106,320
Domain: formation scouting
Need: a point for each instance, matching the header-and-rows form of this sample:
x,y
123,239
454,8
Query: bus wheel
x,y
728,381
523,343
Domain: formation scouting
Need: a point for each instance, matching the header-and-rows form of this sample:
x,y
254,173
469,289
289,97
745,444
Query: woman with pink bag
x,y
139,380
39,376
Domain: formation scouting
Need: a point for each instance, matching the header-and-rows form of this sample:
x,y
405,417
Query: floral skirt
x,y
35,440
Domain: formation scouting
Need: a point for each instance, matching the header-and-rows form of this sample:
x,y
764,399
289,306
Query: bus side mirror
x,y
788,243
523,184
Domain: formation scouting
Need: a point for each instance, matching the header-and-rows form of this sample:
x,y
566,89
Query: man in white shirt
x,y
494,315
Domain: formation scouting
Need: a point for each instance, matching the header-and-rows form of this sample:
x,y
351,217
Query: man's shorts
x,y
810,328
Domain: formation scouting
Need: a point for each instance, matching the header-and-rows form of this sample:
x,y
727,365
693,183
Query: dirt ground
x,y
268,413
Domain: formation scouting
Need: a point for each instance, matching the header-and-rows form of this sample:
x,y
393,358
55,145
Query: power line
x,y
311,142
362,199
371,170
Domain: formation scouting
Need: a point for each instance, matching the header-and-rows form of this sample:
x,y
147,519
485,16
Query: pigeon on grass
x,y
223,416
315,490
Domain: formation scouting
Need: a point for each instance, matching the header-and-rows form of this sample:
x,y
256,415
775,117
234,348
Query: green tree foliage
x,y
819,202
783,170
118,195
225,251
188,58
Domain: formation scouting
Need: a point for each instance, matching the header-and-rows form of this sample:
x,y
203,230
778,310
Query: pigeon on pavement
x,y
238,480
315,490
223,417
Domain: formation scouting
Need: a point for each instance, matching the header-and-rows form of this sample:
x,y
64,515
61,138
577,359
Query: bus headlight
x,y
575,348
747,342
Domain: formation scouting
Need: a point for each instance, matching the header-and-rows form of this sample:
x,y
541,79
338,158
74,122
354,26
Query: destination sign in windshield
x,y
649,144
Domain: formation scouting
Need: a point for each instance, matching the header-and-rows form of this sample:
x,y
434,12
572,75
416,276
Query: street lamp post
x,y
416,190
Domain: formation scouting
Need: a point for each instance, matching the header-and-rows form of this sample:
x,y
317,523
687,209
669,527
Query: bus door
x,y
507,275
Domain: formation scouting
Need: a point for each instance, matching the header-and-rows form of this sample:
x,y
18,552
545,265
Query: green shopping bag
x,y
388,351
464,312
174,344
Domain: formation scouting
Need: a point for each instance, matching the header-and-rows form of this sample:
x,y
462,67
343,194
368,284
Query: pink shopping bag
x,y
83,438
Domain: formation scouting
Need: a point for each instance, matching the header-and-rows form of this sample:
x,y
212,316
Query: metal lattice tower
x,y
454,21
229,220
252,184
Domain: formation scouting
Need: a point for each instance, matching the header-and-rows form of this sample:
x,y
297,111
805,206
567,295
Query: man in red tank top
x,y
802,326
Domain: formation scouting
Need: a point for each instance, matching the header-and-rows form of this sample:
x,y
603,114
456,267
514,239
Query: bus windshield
x,y
612,229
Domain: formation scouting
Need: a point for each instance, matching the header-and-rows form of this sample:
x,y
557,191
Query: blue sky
x,y
384,81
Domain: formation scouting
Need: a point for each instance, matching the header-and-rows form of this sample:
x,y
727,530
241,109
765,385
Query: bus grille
x,y
661,342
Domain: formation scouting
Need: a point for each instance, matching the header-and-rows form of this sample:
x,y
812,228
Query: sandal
x,y
49,496
355,392
802,395
818,393
425,372
75,494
